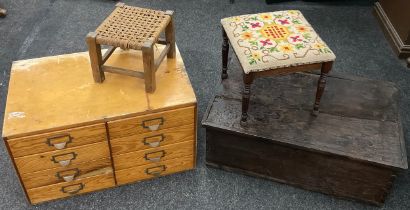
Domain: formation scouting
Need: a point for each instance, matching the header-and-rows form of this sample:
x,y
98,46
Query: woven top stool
x,y
272,44
135,28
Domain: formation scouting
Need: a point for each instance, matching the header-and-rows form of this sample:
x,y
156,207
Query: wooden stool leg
x,y
3,12
170,35
225,53
326,67
94,51
149,66
247,81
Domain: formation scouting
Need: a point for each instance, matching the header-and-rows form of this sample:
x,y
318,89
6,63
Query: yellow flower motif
x,y
293,12
236,19
256,55
247,35
302,29
318,45
266,16
286,48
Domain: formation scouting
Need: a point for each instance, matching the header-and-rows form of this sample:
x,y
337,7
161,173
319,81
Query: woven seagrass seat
x,y
135,28
129,27
272,44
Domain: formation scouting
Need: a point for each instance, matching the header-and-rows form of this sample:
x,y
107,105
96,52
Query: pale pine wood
x,y
170,35
149,66
38,143
58,92
132,126
94,50
42,161
165,153
139,173
168,137
41,194
49,177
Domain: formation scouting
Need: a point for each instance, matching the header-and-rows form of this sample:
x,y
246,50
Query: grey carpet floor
x,y
39,28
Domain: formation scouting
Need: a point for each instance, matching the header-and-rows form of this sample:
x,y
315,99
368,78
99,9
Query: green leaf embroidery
x,y
296,21
273,49
307,36
253,43
254,18
252,61
299,46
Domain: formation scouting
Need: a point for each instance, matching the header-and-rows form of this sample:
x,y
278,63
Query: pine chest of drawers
x,y
68,135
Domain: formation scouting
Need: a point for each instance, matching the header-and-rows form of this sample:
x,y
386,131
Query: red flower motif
x,y
296,38
266,42
283,22
255,25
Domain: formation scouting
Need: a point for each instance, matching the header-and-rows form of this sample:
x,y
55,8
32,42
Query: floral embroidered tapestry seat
x,y
275,40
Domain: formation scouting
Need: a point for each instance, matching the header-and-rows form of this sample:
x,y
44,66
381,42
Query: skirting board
x,y
401,49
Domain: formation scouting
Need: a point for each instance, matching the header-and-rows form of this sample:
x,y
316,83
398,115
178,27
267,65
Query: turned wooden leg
x,y
247,81
326,67
225,53
94,51
170,35
149,66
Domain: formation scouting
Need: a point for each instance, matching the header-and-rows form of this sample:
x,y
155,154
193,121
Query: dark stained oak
x,y
353,149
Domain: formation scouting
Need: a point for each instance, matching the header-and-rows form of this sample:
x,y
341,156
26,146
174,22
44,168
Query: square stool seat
x,y
134,28
273,44
129,27
274,40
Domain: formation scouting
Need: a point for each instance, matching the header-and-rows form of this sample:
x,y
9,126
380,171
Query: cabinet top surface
x,y
59,91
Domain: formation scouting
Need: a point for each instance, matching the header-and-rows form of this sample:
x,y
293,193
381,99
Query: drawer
x,y
54,141
62,159
57,175
153,139
104,179
154,170
155,155
151,122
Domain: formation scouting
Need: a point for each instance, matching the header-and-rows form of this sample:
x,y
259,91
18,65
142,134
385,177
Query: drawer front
x,y
62,159
151,122
155,155
61,190
154,170
153,139
55,176
55,141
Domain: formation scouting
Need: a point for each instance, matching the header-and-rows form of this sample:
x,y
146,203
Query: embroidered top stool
x,y
275,43
135,28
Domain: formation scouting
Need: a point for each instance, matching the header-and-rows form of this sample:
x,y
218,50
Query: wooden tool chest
x,y
68,135
353,149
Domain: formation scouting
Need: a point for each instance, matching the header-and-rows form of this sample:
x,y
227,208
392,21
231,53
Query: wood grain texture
x,y
39,143
53,93
358,120
97,182
162,138
81,154
140,173
164,120
50,177
157,155
353,149
328,174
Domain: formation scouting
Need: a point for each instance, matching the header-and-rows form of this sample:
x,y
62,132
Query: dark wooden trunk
x,y
353,149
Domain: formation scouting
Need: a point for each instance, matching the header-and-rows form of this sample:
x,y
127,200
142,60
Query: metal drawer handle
x,y
68,175
153,124
154,143
64,162
72,189
60,141
155,171
156,158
